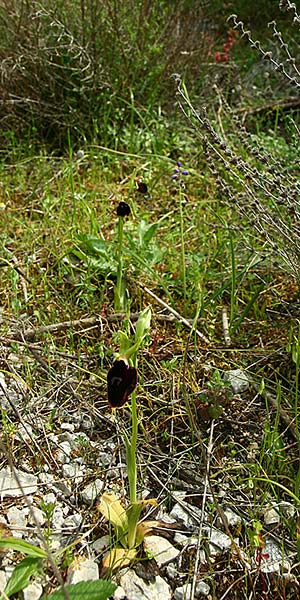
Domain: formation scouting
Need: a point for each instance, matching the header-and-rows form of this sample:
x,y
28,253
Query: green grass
x,y
49,206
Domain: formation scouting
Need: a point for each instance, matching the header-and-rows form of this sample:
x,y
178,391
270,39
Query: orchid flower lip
x,y
123,209
142,187
121,382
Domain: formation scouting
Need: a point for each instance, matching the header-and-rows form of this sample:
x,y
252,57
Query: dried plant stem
x,y
85,324
206,488
225,326
176,314
282,413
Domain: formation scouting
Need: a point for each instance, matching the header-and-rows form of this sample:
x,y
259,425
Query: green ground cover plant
x,y
210,241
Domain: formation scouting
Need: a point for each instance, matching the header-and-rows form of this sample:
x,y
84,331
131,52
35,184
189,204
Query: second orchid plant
x,y
121,387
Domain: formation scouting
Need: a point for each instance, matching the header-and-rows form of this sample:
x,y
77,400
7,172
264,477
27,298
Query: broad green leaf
x,y
92,245
135,509
22,546
106,265
142,327
133,515
146,232
98,254
21,575
215,411
124,343
87,590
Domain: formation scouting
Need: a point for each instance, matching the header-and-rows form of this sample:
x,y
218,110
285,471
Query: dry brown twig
x,y
176,314
96,321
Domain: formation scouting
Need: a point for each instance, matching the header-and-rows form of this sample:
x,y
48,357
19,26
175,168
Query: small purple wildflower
x,y
178,171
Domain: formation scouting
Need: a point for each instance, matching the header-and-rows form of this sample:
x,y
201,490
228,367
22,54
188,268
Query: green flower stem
x,y
129,352
182,245
119,295
131,443
132,472
134,432
133,514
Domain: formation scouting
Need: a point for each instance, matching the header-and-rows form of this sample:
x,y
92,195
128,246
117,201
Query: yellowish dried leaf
x,y
112,509
117,558
144,528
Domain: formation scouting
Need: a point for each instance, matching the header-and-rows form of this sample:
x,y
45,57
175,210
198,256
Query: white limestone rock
x,y
202,589
3,580
273,559
82,569
73,471
271,515
101,544
238,380
161,549
232,517
33,591
119,593
92,491
184,591
17,521
189,515
36,515
136,588
9,485
218,541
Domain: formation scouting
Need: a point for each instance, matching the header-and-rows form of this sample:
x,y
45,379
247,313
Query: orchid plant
x,y
121,387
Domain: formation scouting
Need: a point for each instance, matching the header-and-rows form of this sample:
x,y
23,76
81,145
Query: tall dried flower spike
x,y
121,382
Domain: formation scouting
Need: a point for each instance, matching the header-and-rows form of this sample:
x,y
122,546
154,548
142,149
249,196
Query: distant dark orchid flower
x,y
178,171
121,381
123,209
142,187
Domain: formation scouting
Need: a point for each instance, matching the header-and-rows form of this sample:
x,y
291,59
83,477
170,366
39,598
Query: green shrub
x,y
82,66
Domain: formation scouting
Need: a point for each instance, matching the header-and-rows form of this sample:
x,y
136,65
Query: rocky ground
x,y
61,447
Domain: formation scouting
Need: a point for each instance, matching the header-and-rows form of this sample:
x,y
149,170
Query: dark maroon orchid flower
x,y
121,381
142,187
123,209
